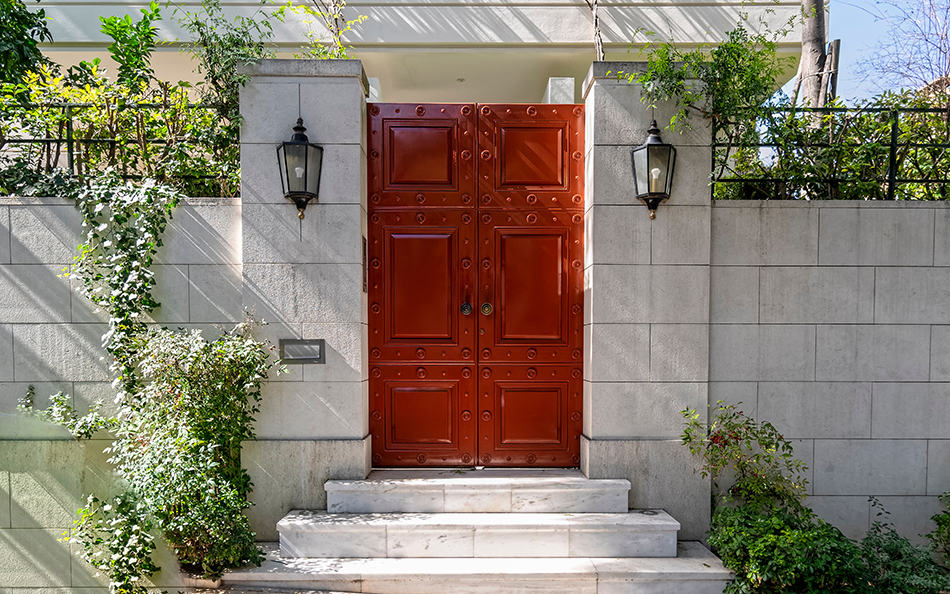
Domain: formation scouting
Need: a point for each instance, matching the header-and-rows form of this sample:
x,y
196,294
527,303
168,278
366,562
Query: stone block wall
x,y
832,320
50,337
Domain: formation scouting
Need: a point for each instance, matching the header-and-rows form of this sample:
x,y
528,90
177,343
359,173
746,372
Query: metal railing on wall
x,y
134,140
834,153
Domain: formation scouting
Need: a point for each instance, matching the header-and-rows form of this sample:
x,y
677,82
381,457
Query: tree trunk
x,y
813,53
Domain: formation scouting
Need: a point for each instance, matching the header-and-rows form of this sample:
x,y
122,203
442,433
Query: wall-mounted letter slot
x,y
293,350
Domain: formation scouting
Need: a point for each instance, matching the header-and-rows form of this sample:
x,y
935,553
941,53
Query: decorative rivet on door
x,y
466,155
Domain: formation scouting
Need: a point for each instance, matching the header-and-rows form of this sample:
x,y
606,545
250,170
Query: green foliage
x,y
329,13
763,532
760,459
61,412
783,547
221,46
115,538
136,125
842,154
178,441
21,30
719,83
123,224
941,536
893,564
132,44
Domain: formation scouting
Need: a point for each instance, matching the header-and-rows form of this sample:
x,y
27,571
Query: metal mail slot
x,y
293,350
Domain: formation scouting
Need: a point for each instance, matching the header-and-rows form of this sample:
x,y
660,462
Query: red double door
x,y
475,284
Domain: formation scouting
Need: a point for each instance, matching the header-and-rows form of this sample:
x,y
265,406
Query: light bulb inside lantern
x,y
655,180
299,172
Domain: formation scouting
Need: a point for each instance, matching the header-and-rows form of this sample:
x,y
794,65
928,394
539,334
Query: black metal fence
x,y
181,143
834,153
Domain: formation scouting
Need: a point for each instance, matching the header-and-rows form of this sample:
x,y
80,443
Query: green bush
x,y
764,533
941,536
783,547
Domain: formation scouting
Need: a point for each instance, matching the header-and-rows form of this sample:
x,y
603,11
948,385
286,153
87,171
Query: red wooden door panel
x,y
421,272
531,272
421,155
531,156
529,415
475,305
422,415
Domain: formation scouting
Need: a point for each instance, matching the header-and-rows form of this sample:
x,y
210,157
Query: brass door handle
x,y
487,309
466,309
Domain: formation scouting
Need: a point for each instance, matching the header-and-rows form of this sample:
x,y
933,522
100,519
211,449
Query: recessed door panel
x,y
421,155
422,415
421,272
531,274
530,415
530,156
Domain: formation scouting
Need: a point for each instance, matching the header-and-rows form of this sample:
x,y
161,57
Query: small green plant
x,y
761,459
894,564
115,538
21,31
132,44
941,536
329,13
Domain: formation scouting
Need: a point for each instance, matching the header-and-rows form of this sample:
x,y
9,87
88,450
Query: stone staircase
x,y
493,530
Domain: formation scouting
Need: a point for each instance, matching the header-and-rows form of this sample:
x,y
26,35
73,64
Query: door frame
x,y
565,201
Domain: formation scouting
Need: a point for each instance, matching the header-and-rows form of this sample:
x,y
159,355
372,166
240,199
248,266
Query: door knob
x,y
487,309
466,308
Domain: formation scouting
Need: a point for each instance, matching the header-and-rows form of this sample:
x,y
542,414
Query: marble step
x,y
487,490
694,570
648,533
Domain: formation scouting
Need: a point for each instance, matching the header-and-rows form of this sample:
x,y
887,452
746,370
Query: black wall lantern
x,y
653,169
300,162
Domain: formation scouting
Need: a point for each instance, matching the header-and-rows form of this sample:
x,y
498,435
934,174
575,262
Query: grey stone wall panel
x,y
640,410
870,467
681,235
312,410
33,293
877,236
203,232
311,293
757,234
912,296
808,295
942,237
617,352
846,512
4,235
649,294
679,352
290,475
911,410
873,353
44,233
748,352
215,294
938,465
817,409
617,234
734,294
273,234
53,352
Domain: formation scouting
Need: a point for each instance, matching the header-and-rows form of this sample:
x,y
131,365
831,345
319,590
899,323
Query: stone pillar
x,y
560,89
305,278
646,305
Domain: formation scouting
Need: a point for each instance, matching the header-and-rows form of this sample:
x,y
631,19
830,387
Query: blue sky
x,y
859,32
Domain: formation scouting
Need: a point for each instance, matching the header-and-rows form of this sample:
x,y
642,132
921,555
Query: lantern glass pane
x,y
658,162
281,166
295,158
640,171
314,163
669,170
